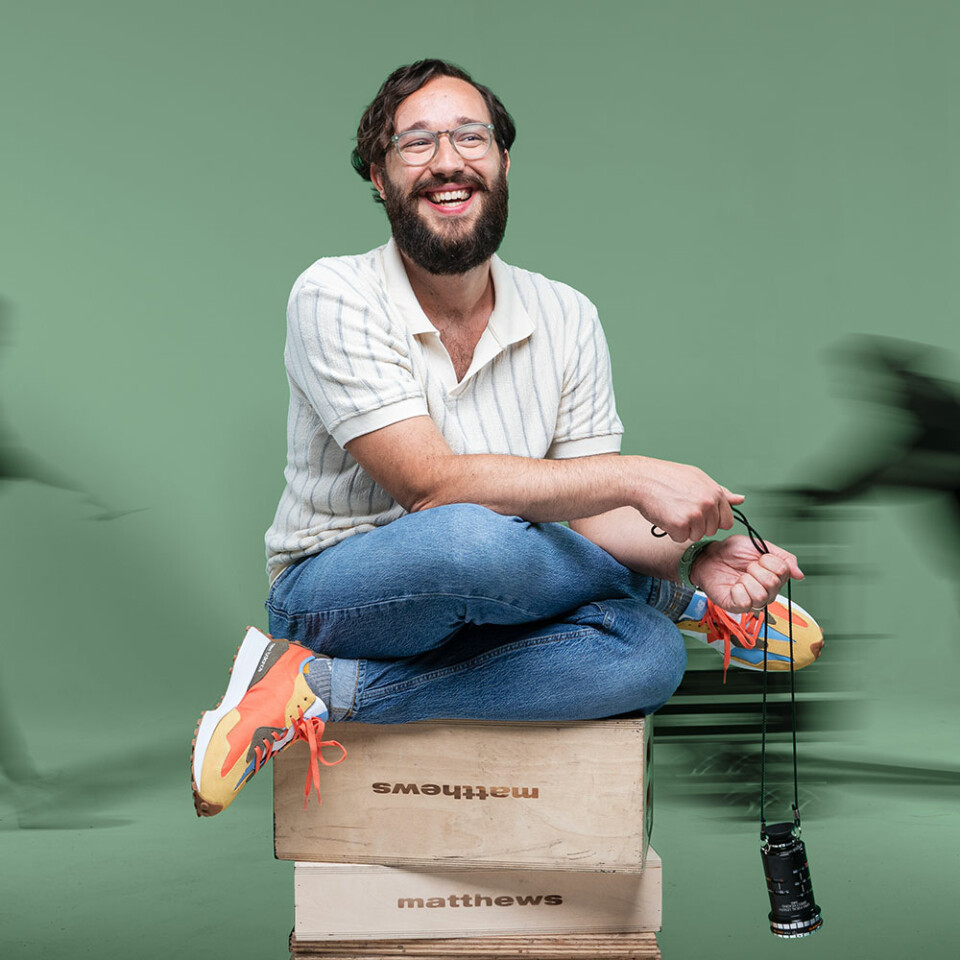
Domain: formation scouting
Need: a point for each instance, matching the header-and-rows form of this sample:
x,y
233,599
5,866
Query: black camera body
x,y
793,910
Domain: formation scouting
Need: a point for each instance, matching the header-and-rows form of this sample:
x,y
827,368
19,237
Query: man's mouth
x,y
449,197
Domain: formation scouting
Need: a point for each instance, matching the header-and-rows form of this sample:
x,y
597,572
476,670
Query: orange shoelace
x,y
310,729
723,626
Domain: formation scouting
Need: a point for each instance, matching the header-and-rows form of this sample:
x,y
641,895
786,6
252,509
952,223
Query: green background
x,y
737,186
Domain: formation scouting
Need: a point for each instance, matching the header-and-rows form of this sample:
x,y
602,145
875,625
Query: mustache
x,y
437,183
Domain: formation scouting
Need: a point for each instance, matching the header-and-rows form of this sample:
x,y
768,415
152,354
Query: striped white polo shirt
x,y
361,354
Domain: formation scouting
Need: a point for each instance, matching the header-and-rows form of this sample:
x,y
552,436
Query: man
x,y
446,411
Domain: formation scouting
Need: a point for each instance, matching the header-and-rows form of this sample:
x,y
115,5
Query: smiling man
x,y
447,411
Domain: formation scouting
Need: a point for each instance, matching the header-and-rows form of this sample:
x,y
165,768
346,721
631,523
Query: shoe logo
x,y
272,652
458,791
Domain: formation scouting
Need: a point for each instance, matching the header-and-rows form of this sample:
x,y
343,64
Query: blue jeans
x,y
461,613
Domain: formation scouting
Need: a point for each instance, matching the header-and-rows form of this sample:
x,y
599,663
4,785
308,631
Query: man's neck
x,y
458,300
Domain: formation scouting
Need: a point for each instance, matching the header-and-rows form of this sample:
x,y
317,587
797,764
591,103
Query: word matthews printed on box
x,y
458,791
515,810
478,900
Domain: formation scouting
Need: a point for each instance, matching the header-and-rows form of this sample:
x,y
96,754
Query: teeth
x,y
449,195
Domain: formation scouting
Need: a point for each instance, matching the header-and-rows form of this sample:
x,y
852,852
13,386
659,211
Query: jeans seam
x,y
608,616
654,587
406,685
358,607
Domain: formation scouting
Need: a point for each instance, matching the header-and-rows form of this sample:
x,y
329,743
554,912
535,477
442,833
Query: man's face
x,y
454,235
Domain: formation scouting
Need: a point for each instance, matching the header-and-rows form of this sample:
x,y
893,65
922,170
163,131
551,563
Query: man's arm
x,y
412,461
612,500
627,536
732,572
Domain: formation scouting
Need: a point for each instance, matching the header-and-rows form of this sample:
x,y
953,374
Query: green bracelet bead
x,y
687,561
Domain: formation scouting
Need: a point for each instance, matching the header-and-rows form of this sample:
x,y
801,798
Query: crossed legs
x,y
459,612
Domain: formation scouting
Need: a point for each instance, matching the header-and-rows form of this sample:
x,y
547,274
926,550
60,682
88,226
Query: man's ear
x,y
506,162
376,177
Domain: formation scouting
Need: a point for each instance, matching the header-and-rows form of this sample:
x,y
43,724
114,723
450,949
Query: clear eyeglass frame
x,y
408,142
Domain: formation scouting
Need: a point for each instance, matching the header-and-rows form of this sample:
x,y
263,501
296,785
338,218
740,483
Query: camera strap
x,y
794,913
793,720
760,545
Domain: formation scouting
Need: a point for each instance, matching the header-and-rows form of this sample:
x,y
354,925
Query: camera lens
x,y
793,913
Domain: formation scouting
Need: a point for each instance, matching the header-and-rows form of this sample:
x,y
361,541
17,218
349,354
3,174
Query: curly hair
x,y
376,124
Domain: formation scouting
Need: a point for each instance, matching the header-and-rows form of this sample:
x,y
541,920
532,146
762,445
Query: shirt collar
x,y
509,323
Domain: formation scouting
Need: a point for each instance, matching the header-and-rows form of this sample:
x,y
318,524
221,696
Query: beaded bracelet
x,y
687,560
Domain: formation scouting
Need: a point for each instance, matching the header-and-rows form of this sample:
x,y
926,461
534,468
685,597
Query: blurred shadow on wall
x,y
908,446
905,443
65,799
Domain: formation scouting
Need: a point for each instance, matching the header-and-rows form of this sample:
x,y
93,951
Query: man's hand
x,y
682,500
737,577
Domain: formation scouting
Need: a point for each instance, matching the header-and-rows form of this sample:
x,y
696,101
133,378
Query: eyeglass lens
x,y
471,141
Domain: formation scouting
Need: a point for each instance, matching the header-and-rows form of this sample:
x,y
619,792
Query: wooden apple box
x,y
569,946
340,901
552,796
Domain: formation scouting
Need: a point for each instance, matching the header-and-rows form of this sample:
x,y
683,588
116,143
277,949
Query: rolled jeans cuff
x,y
344,683
673,599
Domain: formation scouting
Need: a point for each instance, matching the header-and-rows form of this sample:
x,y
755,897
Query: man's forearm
x,y
537,490
626,535
413,462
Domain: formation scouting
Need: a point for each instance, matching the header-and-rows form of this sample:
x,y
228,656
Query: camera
x,y
793,910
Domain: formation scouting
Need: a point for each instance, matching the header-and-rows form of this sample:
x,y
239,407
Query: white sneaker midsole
x,y
248,657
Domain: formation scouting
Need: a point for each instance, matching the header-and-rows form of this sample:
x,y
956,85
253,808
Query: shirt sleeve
x,y
587,421
347,357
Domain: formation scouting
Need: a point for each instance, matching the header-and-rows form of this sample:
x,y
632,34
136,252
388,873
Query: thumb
x,y
733,498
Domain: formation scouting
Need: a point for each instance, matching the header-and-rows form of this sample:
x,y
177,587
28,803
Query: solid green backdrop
x,y
737,185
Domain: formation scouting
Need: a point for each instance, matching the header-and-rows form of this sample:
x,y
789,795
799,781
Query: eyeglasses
x,y
419,147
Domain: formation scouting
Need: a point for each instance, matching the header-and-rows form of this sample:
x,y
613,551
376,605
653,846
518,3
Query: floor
x,y
106,859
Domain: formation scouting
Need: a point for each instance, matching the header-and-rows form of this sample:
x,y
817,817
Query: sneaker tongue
x,y
696,608
261,734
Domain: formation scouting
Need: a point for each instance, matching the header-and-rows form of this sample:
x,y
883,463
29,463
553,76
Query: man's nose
x,y
446,160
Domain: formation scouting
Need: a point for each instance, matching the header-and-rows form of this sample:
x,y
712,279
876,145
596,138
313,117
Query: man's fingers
x,y
707,524
768,580
683,500
679,533
758,593
740,600
734,499
771,570
795,572
711,519
726,513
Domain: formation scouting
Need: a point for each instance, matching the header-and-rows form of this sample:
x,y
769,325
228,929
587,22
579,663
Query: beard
x,y
465,247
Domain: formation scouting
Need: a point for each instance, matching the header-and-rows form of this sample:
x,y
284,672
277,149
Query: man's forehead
x,y
425,124
442,101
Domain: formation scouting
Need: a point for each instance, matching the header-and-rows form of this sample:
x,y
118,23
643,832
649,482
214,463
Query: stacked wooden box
x,y
470,839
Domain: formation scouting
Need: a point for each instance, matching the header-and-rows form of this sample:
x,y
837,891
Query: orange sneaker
x,y
267,706
739,636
